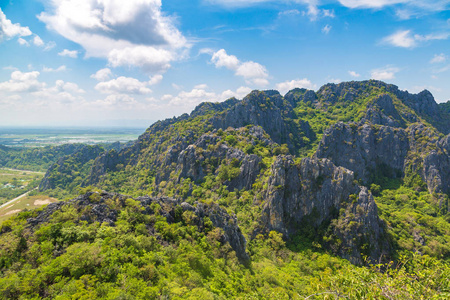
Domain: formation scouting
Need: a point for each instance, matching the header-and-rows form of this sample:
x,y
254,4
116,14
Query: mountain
x,y
356,170
357,134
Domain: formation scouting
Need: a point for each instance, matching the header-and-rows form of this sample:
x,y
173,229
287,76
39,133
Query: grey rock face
x,y
363,149
383,112
319,189
436,167
191,162
359,229
268,110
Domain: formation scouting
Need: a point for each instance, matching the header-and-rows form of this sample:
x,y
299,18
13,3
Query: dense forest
x,y
339,193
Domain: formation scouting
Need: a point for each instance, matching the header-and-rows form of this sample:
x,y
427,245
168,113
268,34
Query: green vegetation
x,y
35,159
146,254
145,257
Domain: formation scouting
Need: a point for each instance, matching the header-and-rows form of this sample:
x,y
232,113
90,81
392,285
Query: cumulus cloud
x,y
354,74
70,87
130,33
69,53
406,39
9,30
252,72
102,74
149,58
29,84
37,41
23,42
385,73
123,85
22,82
155,79
438,58
284,87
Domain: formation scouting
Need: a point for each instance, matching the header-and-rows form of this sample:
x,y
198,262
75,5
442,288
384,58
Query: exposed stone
x,y
314,192
365,148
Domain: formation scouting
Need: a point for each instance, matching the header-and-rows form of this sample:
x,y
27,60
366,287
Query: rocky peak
x,y
365,148
381,111
313,193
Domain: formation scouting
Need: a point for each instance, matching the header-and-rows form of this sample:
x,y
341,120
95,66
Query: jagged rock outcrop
x,y
436,167
197,160
313,193
269,110
93,208
365,148
383,112
301,95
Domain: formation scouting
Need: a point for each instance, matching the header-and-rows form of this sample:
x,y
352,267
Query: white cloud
x,y
406,39
123,85
313,12
334,80
148,58
326,29
402,38
370,3
59,69
126,33
22,82
102,74
385,73
189,99
23,42
435,5
118,100
354,74
9,30
252,72
62,86
37,41
284,87
50,45
155,79
328,13
202,86
438,58
69,53
222,59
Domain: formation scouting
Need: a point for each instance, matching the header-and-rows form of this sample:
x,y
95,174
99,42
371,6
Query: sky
x,y
114,62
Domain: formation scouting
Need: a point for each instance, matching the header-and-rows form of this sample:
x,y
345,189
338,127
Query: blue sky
x,y
107,62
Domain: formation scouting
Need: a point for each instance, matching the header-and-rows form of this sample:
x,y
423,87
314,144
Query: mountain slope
x,y
226,152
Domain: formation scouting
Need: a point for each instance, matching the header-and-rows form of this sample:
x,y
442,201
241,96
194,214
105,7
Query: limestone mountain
x,y
358,133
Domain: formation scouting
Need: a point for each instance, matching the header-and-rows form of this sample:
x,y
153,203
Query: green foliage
x,y
69,258
415,221
35,159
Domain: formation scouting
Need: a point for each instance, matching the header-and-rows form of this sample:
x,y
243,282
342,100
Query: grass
x,y
27,202
14,183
